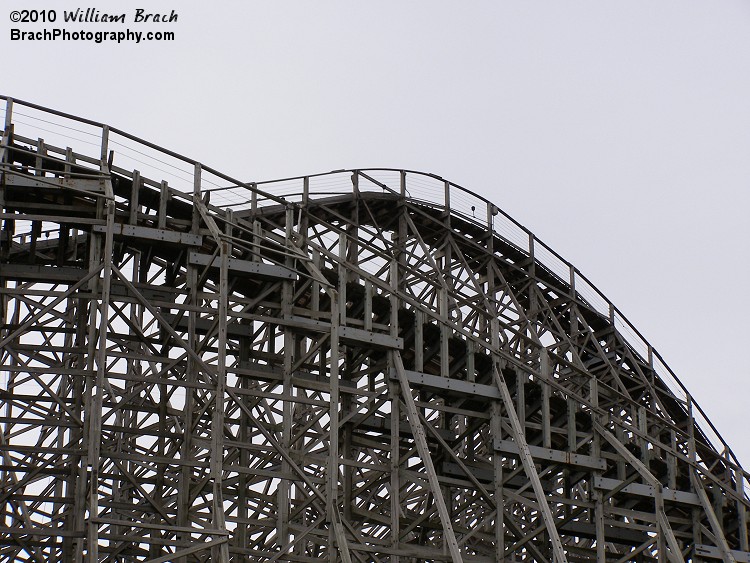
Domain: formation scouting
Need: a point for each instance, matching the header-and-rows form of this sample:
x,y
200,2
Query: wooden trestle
x,y
357,369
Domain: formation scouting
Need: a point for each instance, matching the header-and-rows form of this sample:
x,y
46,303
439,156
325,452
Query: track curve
x,y
363,365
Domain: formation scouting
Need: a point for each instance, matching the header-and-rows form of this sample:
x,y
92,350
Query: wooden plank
x,y
148,233
155,293
79,184
306,324
369,339
259,270
711,552
456,386
63,219
487,475
639,489
41,273
556,456
616,534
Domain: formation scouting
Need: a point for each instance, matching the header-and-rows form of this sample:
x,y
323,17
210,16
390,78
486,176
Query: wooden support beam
x,y
548,455
716,527
675,553
528,464
251,269
148,233
424,453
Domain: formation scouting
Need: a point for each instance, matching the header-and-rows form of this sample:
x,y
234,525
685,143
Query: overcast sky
x,y
619,132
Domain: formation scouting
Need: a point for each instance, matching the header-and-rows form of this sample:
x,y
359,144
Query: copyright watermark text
x,y
69,25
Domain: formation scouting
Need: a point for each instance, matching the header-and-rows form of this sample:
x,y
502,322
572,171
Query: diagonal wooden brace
x,y
721,540
674,549
530,468
421,441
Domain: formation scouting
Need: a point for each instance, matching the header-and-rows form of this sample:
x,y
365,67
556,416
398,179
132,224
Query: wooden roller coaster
x,y
358,366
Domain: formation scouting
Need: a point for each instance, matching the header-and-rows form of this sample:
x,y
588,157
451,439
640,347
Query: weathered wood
x,y
424,453
224,373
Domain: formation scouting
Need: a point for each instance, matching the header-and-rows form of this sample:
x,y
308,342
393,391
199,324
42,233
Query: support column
x,y
102,288
220,552
284,492
335,531
191,377
497,465
597,494
739,480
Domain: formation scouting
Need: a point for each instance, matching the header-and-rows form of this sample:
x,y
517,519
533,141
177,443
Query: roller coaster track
x,y
364,365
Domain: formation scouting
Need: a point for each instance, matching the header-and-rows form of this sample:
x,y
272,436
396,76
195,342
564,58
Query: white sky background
x,y
619,132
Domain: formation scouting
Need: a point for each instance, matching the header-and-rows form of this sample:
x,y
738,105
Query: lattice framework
x,y
367,365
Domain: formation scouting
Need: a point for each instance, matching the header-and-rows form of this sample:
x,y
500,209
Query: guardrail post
x,y
355,182
8,114
8,128
572,280
739,481
105,143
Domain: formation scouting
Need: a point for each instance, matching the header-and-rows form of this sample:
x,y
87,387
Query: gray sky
x,y
619,132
